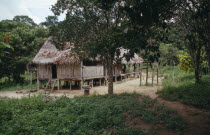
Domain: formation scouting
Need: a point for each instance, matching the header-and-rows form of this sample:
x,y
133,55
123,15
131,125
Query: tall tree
x,y
100,27
94,27
194,18
25,19
50,21
25,41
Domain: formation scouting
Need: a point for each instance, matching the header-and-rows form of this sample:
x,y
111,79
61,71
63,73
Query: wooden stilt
x,y
38,84
81,83
105,81
152,74
37,76
129,68
140,74
157,75
100,82
58,84
70,84
92,83
147,74
31,80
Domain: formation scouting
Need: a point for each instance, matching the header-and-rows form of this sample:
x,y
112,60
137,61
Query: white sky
x,y
35,9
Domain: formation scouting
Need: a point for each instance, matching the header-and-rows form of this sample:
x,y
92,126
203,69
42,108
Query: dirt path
x,y
129,86
198,120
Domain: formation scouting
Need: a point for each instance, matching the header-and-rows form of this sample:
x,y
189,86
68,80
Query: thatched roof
x,y
134,60
49,54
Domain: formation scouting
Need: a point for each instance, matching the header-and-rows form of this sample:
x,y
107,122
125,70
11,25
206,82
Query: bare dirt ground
x,y
129,86
198,120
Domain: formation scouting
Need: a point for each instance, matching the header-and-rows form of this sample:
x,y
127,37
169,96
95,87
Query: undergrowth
x,y
180,86
104,115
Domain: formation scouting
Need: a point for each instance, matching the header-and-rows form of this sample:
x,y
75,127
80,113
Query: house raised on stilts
x,y
54,66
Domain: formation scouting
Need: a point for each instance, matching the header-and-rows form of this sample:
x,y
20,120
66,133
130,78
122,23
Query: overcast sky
x,y
35,9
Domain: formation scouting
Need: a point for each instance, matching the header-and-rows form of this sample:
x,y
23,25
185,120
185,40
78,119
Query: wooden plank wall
x,y
93,71
68,71
44,71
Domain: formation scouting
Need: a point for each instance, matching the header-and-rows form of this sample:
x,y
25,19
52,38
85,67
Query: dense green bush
x,y
181,87
83,115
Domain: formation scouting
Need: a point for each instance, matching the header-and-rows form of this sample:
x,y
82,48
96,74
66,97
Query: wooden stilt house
x,y
55,65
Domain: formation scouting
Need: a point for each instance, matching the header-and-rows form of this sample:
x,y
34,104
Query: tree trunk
x,y
197,66
110,78
208,56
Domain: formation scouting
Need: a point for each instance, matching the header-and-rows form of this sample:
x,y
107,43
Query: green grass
x,y
106,115
13,87
182,88
5,84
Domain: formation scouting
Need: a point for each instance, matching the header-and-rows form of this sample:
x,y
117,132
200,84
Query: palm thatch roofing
x,y
133,60
49,54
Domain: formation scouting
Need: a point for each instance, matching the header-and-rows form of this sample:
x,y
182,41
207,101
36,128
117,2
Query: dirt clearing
x,y
129,86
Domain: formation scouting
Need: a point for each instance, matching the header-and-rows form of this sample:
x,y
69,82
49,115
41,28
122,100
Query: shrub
x,y
186,62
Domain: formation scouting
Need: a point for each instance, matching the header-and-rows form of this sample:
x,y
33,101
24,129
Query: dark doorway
x,y
54,71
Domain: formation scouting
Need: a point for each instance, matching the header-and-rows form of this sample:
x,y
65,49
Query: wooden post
x,y
152,73
58,84
105,81
37,79
140,73
157,74
147,74
100,82
70,84
81,82
92,84
129,68
31,80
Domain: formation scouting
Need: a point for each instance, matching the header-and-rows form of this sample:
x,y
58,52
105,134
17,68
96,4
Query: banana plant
x,y
3,46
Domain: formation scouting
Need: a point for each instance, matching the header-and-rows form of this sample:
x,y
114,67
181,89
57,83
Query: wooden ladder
x,y
49,89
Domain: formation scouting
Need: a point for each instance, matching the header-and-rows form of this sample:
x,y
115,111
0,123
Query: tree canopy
x,y
25,19
101,27
50,21
26,41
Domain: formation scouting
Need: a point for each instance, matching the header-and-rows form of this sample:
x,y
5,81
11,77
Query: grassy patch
x,y
13,87
6,84
181,87
85,115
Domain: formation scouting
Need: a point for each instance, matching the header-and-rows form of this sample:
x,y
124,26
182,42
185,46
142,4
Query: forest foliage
x,y
157,30
25,38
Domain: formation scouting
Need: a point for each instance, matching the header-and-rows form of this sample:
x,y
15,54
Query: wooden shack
x,y
62,65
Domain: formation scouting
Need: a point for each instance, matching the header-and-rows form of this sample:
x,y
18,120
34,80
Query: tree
x,y
4,40
26,41
25,19
50,21
194,17
99,28
94,28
